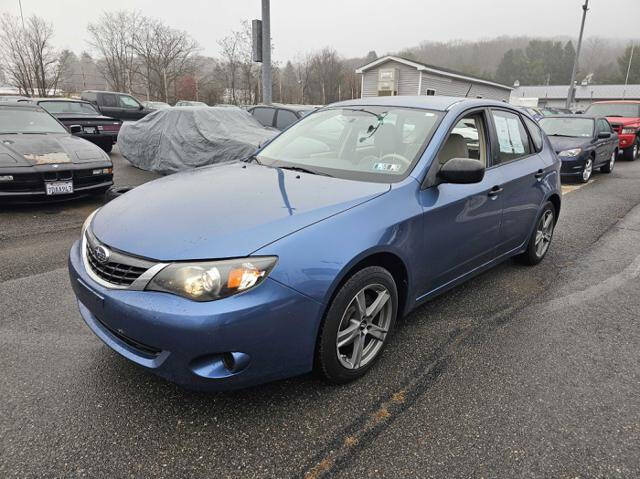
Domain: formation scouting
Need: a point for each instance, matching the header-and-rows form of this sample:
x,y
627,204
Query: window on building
x,y
431,92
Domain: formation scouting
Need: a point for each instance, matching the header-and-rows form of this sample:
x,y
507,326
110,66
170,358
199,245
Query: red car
x,y
624,117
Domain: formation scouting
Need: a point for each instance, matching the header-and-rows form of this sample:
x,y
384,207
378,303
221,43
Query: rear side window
x,y
285,118
536,134
264,115
109,99
513,141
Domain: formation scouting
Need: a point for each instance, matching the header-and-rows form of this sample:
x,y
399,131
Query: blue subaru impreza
x,y
303,256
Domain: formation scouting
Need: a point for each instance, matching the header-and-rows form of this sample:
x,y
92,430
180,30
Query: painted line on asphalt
x,y
570,188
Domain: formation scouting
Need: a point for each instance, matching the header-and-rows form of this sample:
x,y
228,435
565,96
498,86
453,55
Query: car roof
x,y
635,102
74,100
438,103
587,117
22,104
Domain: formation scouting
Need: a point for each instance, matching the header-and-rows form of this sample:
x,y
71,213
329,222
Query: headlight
x,y
570,153
208,281
628,131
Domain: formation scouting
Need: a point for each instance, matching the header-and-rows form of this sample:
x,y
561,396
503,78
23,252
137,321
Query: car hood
x,y
561,143
223,211
624,121
43,149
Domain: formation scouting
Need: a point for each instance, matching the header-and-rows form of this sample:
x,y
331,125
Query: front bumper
x,y
28,184
626,141
572,167
264,334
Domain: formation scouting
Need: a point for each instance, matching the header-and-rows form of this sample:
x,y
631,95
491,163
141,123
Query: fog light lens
x,y
6,178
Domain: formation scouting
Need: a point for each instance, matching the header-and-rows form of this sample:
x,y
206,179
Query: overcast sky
x,y
353,27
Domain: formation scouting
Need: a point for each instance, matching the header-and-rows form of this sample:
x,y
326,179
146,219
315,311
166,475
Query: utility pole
x,y
266,53
572,87
21,16
626,80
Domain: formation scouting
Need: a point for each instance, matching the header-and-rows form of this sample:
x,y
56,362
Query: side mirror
x,y
604,134
75,129
462,171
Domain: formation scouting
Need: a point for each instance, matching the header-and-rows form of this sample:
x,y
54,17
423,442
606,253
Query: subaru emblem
x,y
101,254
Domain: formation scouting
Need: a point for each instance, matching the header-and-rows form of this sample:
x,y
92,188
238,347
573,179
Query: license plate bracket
x,y
89,129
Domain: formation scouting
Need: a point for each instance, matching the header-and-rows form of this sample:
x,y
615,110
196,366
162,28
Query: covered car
x,y
40,160
182,138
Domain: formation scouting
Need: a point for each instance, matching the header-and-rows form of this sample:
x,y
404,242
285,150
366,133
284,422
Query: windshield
x,y
68,107
628,110
24,120
576,127
369,143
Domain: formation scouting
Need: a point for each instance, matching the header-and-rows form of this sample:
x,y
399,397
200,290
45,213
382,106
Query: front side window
x,y
603,126
68,107
128,102
571,127
369,143
25,120
513,141
466,140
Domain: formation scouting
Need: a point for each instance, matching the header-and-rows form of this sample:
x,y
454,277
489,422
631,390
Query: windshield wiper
x,y
566,136
303,170
251,159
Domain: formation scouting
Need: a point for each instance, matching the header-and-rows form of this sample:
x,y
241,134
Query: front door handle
x,y
539,174
495,191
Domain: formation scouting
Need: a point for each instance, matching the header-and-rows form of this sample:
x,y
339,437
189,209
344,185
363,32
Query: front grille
x,y
34,182
115,273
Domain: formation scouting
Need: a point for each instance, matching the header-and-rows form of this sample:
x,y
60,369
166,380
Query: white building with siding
x,y
391,75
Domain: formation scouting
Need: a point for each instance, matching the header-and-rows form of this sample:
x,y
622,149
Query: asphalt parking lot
x,y
522,372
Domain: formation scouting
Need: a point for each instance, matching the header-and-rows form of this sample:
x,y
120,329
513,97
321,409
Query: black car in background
x,y
41,161
279,116
583,143
98,129
116,105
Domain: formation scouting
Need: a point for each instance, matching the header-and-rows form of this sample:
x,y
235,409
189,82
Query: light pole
x,y
266,53
572,87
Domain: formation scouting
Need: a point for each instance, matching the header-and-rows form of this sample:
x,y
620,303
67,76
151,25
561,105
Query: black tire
x,y
608,167
531,257
115,191
327,363
631,153
107,147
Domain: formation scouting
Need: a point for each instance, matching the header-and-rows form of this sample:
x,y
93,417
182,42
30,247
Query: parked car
x,y
624,116
190,103
280,116
94,127
116,105
583,144
155,105
246,272
41,161
181,138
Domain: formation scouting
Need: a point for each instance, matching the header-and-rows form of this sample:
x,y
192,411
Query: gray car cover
x,y
181,138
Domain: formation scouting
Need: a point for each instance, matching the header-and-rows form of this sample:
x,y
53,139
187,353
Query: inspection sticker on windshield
x,y
392,167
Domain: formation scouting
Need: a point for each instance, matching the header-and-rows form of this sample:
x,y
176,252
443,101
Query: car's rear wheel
x,y
632,152
357,325
541,237
608,168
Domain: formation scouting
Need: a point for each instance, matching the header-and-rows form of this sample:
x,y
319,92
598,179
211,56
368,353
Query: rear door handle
x,y
495,191
539,174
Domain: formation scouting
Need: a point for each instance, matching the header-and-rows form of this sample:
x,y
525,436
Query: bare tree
x,y
29,60
113,37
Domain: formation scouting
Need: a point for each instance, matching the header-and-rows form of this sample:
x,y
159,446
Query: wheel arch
x,y
556,202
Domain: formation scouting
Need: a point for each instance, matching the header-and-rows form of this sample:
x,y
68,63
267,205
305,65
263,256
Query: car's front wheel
x,y
541,237
587,171
357,325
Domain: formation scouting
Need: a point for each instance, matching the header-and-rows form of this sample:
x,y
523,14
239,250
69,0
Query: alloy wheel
x,y
364,326
612,160
588,169
544,233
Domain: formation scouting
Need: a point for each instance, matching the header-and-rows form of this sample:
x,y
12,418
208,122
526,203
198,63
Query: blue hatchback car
x,y
303,256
